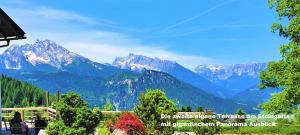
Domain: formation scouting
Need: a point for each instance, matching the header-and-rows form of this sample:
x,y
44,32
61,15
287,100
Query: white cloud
x,y
95,44
62,15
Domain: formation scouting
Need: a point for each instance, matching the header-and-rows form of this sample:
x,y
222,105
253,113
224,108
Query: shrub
x,y
297,116
131,124
56,128
74,131
75,117
68,106
59,128
87,119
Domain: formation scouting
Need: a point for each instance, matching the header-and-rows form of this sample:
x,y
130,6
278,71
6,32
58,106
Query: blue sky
x,y
191,32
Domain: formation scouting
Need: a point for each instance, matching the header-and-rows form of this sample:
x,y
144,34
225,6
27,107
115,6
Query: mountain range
x,y
52,67
139,63
234,78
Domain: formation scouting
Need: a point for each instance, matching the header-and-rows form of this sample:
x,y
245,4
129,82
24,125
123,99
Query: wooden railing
x,y
30,112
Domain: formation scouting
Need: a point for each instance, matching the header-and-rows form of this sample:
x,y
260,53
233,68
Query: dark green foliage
x,y
21,94
76,116
189,109
87,118
241,113
74,131
286,72
183,109
55,128
199,109
59,128
68,106
297,116
186,109
151,106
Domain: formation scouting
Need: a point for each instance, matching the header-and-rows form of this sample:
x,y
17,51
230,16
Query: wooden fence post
x,y
23,115
57,95
47,99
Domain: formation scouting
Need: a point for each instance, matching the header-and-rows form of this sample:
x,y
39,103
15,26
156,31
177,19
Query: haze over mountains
x,y
234,78
52,67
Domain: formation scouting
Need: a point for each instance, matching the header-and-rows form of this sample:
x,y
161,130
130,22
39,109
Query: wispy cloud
x,y
87,39
62,15
198,15
216,27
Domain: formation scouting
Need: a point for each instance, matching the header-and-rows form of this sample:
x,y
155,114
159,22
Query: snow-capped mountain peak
x,y
139,62
40,52
225,71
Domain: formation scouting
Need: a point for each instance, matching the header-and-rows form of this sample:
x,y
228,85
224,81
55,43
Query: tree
x,y
76,117
189,109
68,106
242,116
108,106
151,106
21,94
285,73
199,109
183,109
87,118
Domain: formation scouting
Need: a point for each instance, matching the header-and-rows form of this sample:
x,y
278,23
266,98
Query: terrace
x,y
28,115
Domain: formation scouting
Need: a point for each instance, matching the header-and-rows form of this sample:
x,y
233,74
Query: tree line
x,y
21,94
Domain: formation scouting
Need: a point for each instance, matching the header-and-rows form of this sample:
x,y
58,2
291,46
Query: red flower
x,y
131,124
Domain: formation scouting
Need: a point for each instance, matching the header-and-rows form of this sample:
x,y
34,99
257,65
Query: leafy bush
x,y
56,128
59,128
297,116
75,117
68,106
74,131
87,119
131,124
151,106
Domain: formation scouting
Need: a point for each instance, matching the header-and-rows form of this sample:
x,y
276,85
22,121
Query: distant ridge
x,y
139,62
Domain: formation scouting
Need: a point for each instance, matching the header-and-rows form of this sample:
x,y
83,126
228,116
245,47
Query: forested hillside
x,y
20,94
